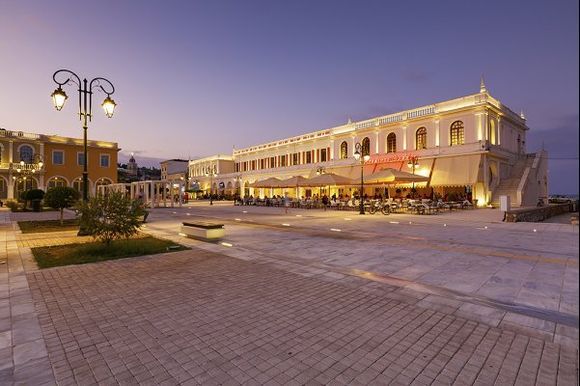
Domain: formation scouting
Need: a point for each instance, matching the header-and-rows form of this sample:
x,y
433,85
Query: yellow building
x,y
29,160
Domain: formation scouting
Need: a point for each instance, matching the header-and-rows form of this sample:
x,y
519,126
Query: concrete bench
x,y
203,230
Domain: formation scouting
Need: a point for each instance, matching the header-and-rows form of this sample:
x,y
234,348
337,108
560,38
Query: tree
x,y
61,197
110,217
35,196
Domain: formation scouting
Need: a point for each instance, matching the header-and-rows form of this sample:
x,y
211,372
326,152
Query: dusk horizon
x,y
208,78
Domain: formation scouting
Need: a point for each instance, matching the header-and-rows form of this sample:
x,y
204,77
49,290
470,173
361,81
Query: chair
x,y
350,205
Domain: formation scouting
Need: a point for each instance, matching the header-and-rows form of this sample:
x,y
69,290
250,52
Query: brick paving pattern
x,y
196,317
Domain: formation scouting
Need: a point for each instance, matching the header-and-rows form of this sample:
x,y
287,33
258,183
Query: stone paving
x,y
469,263
288,300
23,354
202,318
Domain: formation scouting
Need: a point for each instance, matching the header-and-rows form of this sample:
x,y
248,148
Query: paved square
x,y
307,297
196,317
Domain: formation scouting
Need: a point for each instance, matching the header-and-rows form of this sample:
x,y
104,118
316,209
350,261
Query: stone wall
x,y
536,214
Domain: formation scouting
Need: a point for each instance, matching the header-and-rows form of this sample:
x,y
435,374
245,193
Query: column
x,y
376,142
353,145
498,138
331,155
164,193
486,191
405,138
486,125
437,135
10,151
171,194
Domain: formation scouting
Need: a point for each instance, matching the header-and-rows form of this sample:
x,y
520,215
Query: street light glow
x,y
109,106
58,98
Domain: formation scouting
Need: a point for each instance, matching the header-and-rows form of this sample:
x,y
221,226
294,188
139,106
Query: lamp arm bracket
x,y
74,78
98,84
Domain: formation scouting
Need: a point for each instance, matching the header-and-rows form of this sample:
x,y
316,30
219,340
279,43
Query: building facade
x,y
173,169
29,160
473,144
207,174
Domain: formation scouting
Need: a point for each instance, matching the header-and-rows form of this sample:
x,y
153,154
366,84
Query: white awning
x,y
455,171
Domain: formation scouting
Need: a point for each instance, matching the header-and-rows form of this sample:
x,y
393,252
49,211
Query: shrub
x,y
12,205
34,194
110,217
61,197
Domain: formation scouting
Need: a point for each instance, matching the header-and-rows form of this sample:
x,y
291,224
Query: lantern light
x,y
109,106
58,98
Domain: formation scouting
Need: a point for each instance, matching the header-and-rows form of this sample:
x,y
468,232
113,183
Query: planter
x,y
36,205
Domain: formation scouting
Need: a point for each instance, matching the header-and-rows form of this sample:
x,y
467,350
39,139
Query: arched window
x,y
103,181
391,143
366,146
78,185
56,181
457,133
26,154
421,138
343,150
22,185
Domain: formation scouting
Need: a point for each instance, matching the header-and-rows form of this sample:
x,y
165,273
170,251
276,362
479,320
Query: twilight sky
x,y
196,78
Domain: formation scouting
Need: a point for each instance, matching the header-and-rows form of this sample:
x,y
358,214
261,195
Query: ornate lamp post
x,y
363,158
412,164
211,172
85,89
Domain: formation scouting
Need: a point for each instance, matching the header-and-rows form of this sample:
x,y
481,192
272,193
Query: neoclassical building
x,y
29,160
472,144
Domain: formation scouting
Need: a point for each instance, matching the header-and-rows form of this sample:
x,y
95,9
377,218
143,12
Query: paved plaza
x,y
305,297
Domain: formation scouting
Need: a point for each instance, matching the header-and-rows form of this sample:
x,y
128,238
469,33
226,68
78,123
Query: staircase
x,y
509,186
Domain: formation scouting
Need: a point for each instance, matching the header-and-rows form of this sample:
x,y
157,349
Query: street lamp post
x,y
211,172
358,155
85,89
412,164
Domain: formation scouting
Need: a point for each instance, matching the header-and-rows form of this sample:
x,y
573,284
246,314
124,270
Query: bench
x,y
203,230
